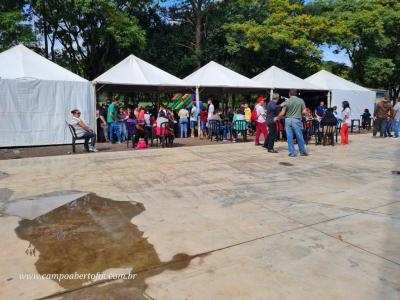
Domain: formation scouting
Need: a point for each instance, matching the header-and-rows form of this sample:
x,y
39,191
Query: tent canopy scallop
x,y
21,62
276,78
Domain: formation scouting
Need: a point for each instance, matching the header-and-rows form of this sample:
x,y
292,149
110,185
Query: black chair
x,y
325,135
337,129
358,124
214,130
240,126
131,131
74,137
366,123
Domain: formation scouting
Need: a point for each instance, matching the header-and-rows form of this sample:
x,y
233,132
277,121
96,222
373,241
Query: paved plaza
x,y
204,222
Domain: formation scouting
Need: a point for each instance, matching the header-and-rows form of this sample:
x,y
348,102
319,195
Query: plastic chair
x,y
240,126
214,129
74,136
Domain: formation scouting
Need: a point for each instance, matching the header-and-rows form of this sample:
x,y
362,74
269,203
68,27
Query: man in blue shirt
x,y
273,110
320,110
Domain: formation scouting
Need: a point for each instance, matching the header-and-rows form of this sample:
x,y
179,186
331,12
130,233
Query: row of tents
x,y
37,95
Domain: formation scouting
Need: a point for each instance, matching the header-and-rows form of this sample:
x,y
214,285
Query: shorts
x,y
193,124
203,126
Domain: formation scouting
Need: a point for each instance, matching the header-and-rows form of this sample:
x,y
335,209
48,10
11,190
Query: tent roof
x,y
276,78
21,62
133,71
214,75
327,80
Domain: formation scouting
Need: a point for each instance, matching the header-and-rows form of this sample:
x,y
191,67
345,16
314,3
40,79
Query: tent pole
x,y
329,99
198,109
270,95
94,104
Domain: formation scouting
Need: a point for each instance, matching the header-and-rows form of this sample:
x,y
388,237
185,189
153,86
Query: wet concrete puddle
x,y
285,164
93,234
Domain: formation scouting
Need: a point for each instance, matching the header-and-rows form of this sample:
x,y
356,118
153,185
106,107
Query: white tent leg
x,y
198,109
270,95
329,99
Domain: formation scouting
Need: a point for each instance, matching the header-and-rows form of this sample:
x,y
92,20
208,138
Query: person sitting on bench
x,y
82,130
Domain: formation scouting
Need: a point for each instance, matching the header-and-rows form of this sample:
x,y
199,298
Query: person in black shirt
x,y
273,110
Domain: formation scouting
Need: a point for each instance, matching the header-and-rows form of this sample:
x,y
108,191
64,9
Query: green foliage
x,y
369,31
91,33
13,27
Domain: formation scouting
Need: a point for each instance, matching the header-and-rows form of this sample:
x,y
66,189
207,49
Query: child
x,y
203,124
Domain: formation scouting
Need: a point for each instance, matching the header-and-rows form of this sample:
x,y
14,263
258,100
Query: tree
x,y
194,13
14,28
91,34
281,31
369,31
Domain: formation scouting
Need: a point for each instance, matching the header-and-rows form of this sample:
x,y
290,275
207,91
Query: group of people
x,y
291,117
387,118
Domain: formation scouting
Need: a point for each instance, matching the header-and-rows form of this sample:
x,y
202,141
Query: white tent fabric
x,y
359,97
218,76
136,72
276,78
36,99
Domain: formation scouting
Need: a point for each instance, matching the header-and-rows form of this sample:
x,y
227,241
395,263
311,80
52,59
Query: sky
x,y
328,54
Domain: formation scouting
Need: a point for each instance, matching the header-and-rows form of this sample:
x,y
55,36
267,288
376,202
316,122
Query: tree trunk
x,y
198,37
45,32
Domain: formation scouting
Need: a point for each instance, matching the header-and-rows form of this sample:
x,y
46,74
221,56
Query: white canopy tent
x,y
276,78
133,73
216,76
359,97
37,96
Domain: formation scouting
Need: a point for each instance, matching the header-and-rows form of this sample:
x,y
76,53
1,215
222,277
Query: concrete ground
x,y
213,222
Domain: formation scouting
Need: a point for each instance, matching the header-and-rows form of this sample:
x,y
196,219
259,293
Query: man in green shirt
x,y
112,112
112,118
293,110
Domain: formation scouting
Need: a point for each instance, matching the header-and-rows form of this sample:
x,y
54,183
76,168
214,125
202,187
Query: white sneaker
x,y
93,149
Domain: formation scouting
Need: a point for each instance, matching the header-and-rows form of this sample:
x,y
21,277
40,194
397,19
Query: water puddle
x,y
90,235
3,175
285,164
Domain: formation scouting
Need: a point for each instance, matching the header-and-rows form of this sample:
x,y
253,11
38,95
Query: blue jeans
x,y
294,126
184,128
388,128
396,127
114,128
123,131
224,130
193,124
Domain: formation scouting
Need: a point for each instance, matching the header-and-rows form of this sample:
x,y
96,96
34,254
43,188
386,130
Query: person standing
x,y
293,109
261,125
345,115
194,115
320,110
183,121
381,115
396,118
247,113
112,120
210,108
273,110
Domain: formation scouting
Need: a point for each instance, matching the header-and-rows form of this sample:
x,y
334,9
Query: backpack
x,y
254,115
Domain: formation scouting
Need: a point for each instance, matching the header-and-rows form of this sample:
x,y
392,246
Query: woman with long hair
x,y
345,116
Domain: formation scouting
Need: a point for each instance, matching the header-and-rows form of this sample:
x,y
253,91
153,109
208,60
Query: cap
x,y
260,99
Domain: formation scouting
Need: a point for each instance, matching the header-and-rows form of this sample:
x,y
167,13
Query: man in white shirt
x,y
210,108
194,115
261,125
82,130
